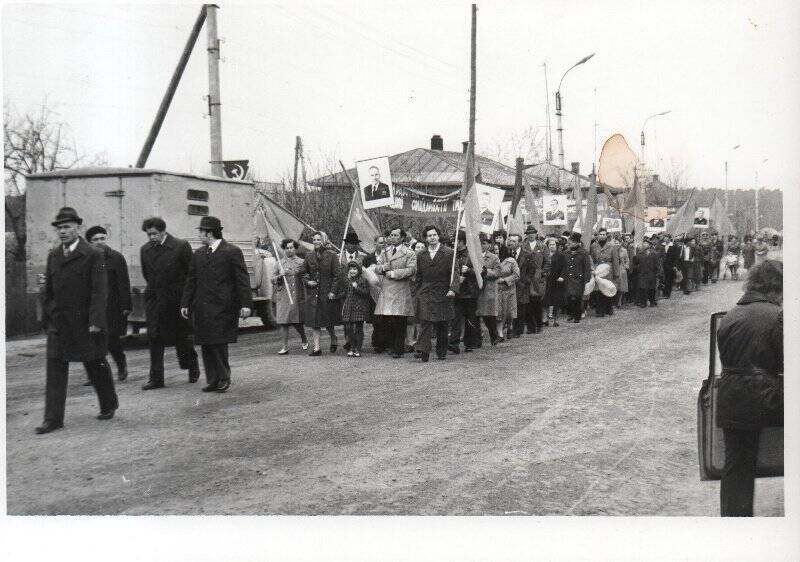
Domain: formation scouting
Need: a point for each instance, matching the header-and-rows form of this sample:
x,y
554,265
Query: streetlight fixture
x,y
726,178
643,126
560,127
757,192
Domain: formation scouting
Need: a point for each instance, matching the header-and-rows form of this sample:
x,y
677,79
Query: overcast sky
x,y
358,79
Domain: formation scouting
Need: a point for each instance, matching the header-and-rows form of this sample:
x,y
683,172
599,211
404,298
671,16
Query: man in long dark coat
x,y
465,303
435,292
217,293
118,305
165,264
648,266
670,261
75,319
527,271
578,271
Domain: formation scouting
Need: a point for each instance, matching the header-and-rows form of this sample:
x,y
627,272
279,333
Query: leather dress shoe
x,y
48,426
122,374
425,356
150,385
315,353
223,386
210,388
106,414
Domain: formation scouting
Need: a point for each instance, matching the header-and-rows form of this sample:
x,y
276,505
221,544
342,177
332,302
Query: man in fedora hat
x,y
118,306
217,293
352,251
165,265
75,318
537,287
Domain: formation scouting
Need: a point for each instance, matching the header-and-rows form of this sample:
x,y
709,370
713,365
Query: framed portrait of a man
x,y
701,217
375,182
555,209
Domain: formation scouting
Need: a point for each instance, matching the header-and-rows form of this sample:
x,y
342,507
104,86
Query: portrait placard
x,y
701,217
375,182
555,209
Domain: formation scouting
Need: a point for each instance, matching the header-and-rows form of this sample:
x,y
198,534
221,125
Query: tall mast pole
x,y
547,109
214,101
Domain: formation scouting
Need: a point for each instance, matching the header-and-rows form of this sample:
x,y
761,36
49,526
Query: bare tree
x,y
530,144
38,142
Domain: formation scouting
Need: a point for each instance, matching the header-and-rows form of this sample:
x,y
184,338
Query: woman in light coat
x,y
507,295
488,307
286,281
624,267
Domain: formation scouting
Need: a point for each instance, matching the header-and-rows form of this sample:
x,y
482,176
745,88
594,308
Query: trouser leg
x,y
441,338
738,476
358,336
457,323
519,321
669,282
215,363
576,307
641,298
116,352
425,334
491,327
379,333
651,296
348,335
472,330
397,333
187,356
156,362
55,390
536,311
99,372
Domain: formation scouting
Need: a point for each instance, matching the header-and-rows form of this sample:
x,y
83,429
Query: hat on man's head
x,y
210,223
351,238
67,214
483,237
530,229
575,237
95,230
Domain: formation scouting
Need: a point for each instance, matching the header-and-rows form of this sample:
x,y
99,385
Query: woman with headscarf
x,y
320,274
555,293
286,282
750,396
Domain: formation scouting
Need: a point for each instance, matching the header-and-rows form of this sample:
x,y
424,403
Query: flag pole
x,y
277,257
350,212
455,247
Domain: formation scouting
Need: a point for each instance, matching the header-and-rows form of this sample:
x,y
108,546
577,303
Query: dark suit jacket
x,y
217,287
527,271
165,267
75,297
119,292
381,192
554,216
433,281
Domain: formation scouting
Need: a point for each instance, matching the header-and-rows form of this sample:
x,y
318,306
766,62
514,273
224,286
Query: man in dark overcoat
x,y
578,271
165,264
527,272
118,305
648,266
465,303
75,318
670,263
217,294
435,292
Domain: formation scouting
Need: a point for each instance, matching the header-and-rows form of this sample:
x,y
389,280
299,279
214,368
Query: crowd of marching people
x,y
411,289
408,289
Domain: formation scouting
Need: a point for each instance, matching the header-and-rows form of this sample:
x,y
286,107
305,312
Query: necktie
x,y
67,251
394,249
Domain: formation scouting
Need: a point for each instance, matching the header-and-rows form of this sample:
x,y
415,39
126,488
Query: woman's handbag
x,y
710,441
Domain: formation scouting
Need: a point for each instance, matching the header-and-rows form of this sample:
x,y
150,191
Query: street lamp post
x,y
642,133
559,126
757,193
726,179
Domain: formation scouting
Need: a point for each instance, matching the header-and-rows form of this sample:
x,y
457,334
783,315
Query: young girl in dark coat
x,y
355,308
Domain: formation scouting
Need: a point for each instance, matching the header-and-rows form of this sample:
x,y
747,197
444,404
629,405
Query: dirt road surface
x,y
590,419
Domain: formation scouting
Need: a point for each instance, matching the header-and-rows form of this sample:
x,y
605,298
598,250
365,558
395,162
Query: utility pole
x,y
171,88
298,148
756,188
214,101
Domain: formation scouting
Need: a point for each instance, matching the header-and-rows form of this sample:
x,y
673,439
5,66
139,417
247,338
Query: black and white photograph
x,y
701,217
405,281
375,182
555,209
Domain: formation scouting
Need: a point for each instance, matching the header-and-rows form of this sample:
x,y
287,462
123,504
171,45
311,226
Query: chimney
x,y
437,143
576,167
655,178
464,147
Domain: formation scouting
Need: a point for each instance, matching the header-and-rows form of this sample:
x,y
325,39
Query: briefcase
x,y
710,441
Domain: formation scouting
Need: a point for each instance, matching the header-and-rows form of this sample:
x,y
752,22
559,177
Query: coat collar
x,y
83,248
754,296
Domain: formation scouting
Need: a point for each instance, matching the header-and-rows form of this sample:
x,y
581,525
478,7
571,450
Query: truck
x,y
119,199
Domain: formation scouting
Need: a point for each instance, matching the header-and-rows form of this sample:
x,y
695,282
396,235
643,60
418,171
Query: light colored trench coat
x,y
487,299
395,273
